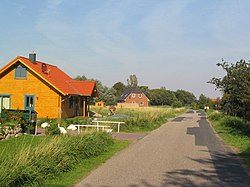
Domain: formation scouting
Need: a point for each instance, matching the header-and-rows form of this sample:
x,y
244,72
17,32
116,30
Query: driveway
x,y
183,152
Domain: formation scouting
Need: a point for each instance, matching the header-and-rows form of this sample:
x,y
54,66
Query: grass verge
x,y
234,131
33,162
85,166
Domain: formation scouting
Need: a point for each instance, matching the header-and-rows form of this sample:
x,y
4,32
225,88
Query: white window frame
x,y
142,103
133,95
140,95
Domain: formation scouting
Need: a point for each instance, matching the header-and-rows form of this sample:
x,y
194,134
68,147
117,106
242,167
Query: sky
x,y
166,43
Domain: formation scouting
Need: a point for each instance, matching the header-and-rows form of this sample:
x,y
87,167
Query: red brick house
x,y
133,96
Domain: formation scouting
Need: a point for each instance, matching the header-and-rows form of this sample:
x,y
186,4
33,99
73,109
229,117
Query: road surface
x,y
183,152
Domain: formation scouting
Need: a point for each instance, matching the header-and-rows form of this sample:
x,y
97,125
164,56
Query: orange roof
x,y
56,78
215,99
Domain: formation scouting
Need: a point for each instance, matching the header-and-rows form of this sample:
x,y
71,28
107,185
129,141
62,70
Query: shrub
x,y
240,125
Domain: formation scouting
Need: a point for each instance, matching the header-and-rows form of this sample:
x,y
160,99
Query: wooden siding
x,y
75,110
46,98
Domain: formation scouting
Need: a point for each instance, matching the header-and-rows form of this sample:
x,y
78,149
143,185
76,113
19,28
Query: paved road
x,y
184,152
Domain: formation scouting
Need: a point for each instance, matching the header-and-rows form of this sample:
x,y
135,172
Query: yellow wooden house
x,y
27,84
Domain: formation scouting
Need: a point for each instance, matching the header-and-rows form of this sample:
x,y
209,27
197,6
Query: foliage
x,y
120,88
238,124
235,86
105,94
204,101
81,78
11,122
31,166
132,81
177,104
185,97
161,97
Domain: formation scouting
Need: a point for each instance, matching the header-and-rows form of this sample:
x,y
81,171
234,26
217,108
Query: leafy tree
x,y
185,97
105,94
132,81
204,101
120,88
81,78
235,86
161,97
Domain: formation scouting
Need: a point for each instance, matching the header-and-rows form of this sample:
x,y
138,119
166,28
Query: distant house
x,y
100,104
133,96
27,84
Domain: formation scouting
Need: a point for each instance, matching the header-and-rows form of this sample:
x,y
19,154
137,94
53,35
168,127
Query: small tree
x,y
120,88
132,81
235,86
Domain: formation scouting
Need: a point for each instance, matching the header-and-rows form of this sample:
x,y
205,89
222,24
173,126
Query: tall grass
x,y
32,166
141,119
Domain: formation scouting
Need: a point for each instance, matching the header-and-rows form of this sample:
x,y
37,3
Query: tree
x,y
235,86
120,88
105,94
132,81
161,97
81,78
204,101
185,97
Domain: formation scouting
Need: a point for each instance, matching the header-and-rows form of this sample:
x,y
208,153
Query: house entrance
x,y
29,102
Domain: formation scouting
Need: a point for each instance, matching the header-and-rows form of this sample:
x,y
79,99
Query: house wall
x,y
138,98
46,100
127,105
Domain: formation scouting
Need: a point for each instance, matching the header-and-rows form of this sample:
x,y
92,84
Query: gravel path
x,y
183,152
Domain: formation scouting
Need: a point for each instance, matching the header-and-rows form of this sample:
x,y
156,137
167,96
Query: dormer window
x,y
20,72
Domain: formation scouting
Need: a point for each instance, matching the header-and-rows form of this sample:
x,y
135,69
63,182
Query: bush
x,y
177,104
236,123
31,167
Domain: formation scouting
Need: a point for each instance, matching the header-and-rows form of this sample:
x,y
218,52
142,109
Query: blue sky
x,y
170,43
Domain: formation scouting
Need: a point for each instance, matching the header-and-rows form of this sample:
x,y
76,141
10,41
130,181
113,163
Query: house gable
x,y
51,88
134,95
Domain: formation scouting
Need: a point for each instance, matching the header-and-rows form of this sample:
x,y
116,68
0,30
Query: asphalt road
x,y
183,152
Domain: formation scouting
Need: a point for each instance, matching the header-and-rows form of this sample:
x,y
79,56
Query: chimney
x,y
32,57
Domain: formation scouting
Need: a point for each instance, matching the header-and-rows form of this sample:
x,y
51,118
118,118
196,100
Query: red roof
x,y
56,78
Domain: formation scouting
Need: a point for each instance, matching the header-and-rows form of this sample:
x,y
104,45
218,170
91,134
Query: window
x,y
20,72
71,101
29,102
141,103
4,102
133,95
140,95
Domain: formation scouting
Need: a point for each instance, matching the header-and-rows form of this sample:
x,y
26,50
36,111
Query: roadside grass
x,y
14,145
234,131
31,160
84,167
